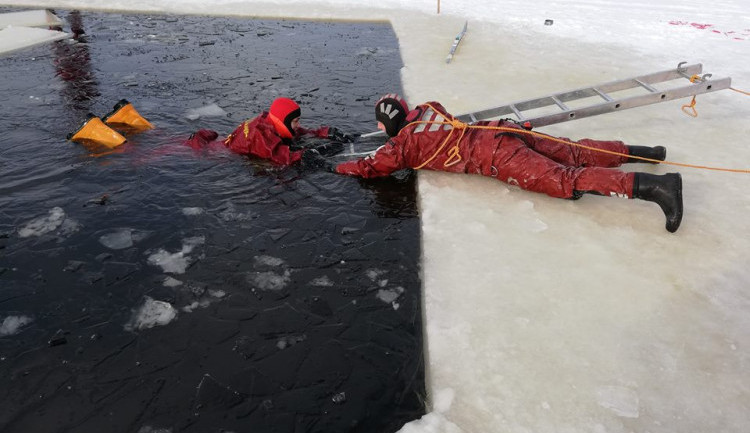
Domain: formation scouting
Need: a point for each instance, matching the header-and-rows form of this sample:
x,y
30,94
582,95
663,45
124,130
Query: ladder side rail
x,y
612,86
578,94
532,104
656,77
634,101
485,114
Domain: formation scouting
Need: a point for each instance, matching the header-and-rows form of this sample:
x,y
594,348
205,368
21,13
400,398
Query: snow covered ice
x,y
547,315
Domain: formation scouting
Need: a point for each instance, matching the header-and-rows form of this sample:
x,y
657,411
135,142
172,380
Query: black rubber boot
x,y
658,153
664,190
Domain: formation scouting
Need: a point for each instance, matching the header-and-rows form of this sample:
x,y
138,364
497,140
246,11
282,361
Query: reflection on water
x,y
158,287
73,66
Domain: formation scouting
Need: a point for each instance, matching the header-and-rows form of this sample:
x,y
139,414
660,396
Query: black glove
x,y
311,158
336,135
330,149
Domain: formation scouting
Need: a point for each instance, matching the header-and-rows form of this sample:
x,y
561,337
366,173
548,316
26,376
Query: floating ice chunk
x,y
118,240
44,224
151,313
211,110
217,293
620,400
203,303
323,281
192,211
213,296
178,262
269,280
373,274
231,214
149,429
291,340
172,282
269,261
12,324
69,226
389,295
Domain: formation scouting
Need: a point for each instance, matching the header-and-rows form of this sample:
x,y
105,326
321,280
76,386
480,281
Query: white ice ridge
x,y
151,313
435,421
176,263
12,324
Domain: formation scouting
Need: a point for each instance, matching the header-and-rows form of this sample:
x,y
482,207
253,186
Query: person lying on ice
x,y
428,137
273,135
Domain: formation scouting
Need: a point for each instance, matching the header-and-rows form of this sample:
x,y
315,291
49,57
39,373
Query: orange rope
x,y
453,152
691,105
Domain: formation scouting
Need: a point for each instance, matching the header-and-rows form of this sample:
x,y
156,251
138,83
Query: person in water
x,y
430,138
274,135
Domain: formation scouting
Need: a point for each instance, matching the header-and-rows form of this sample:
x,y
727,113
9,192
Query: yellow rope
x,y
454,156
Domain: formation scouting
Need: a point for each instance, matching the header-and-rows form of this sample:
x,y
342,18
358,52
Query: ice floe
x,y
151,313
176,263
54,220
12,324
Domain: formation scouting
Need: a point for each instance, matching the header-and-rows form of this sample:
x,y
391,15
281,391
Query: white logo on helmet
x,y
388,110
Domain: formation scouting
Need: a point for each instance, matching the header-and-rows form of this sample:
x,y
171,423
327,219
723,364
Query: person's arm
x,y
328,132
387,159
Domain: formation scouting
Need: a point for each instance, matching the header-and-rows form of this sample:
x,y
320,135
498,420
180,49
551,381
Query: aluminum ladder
x,y
604,98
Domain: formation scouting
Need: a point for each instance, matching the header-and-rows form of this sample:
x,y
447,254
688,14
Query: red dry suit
x,y
258,137
533,162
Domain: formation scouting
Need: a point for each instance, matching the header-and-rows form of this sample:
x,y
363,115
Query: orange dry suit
x,y
533,162
258,137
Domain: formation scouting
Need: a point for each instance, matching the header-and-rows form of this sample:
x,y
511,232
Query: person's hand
x,y
311,158
330,149
336,135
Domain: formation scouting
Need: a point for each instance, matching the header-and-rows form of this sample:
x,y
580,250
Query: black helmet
x,y
391,110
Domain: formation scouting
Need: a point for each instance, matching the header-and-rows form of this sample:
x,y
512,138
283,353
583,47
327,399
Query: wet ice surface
x,y
155,288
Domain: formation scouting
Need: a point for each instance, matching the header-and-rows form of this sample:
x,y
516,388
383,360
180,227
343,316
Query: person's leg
x,y
657,153
591,153
124,115
516,164
596,153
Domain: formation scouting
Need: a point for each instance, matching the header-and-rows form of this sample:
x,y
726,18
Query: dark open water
x,y
295,294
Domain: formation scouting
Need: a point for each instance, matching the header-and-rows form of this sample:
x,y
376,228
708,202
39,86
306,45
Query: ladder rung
x,y
645,86
603,95
516,112
560,104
